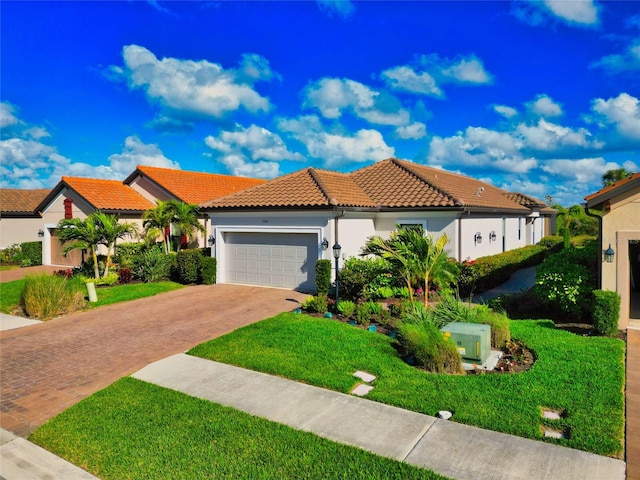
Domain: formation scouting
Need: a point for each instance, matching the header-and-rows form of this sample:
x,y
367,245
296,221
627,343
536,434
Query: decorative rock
x,y
551,414
328,315
372,328
297,310
364,376
445,415
553,434
361,390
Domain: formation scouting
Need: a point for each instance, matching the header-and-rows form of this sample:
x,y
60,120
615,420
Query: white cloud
x,y
545,106
7,118
432,72
585,170
238,164
337,148
195,88
406,78
333,96
579,13
257,142
505,111
414,131
627,61
137,153
342,8
526,186
622,112
546,136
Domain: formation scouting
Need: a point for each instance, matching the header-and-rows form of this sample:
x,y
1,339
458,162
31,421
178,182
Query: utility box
x,y
473,340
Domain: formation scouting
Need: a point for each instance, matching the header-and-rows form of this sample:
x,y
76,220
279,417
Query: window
x,y
413,224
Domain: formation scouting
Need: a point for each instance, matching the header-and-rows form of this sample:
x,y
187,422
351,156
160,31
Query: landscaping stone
x,y
551,433
364,376
444,414
551,414
361,390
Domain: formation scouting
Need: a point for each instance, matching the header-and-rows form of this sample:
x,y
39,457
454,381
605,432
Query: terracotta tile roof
x,y
390,183
107,194
615,186
18,201
310,187
195,187
525,200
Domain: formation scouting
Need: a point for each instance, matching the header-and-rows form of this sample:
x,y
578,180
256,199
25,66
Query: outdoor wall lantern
x,y
325,243
477,238
608,254
336,254
493,236
211,240
41,233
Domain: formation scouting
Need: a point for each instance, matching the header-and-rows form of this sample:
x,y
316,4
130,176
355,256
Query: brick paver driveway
x,y
46,368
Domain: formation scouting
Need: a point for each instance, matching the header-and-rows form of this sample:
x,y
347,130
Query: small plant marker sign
x,y
364,376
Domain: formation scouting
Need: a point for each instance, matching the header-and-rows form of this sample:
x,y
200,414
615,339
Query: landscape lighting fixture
x,y
211,240
325,243
608,254
41,233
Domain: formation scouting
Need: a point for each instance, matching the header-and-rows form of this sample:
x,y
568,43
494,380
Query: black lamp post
x,y
336,255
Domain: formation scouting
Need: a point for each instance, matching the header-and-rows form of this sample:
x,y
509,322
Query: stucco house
x,y
620,242
32,215
272,234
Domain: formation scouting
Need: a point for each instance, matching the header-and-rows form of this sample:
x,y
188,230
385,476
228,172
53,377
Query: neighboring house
x,y
20,220
620,230
273,234
32,215
75,197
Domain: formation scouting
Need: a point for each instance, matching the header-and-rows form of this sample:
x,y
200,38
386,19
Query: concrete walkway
x,y
633,405
520,281
451,449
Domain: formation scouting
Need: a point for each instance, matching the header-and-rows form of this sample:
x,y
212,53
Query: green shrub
x,y
208,266
318,304
552,242
567,278
32,251
126,252
323,276
153,265
605,312
401,292
11,255
431,350
47,296
384,292
361,278
346,308
111,279
363,314
187,266
418,313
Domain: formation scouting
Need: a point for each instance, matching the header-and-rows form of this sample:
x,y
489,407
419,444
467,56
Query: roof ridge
x,y
442,191
315,175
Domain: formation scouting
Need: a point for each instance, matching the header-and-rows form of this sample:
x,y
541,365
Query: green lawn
x,y
10,293
583,376
136,430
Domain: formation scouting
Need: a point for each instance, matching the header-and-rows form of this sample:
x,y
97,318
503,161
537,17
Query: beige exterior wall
x,y
18,230
620,225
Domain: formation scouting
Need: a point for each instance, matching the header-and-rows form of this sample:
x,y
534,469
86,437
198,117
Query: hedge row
x,y
488,272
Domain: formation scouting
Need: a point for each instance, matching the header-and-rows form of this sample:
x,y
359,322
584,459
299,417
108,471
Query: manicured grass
x,y
131,291
10,293
584,376
8,267
136,430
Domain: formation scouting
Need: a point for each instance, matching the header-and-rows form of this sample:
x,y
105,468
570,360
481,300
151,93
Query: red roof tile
x,y
18,201
108,194
195,187
615,186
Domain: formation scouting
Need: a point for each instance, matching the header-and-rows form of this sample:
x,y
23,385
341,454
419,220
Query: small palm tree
x,y
111,231
159,218
185,217
77,234
415,256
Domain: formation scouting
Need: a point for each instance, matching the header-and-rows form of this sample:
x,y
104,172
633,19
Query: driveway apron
x,y
49,367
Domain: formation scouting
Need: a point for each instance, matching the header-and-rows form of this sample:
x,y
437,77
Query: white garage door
x,y
286,260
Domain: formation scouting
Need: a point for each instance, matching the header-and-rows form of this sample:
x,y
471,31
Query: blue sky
x,y
537,97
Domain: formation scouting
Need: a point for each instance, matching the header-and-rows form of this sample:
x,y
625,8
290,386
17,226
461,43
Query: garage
x,y
72,259
285,260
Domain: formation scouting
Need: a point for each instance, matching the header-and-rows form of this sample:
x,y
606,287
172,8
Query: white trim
x,y
219,246
46,243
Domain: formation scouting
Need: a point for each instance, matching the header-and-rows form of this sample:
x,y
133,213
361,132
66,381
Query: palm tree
x,y
185,218
612,176
111,230
159,218
415,256
77,234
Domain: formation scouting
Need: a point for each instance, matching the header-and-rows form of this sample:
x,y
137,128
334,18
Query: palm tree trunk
x,y
96,270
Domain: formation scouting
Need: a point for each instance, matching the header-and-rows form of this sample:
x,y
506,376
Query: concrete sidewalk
x,y
451,449
521,281
10,322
